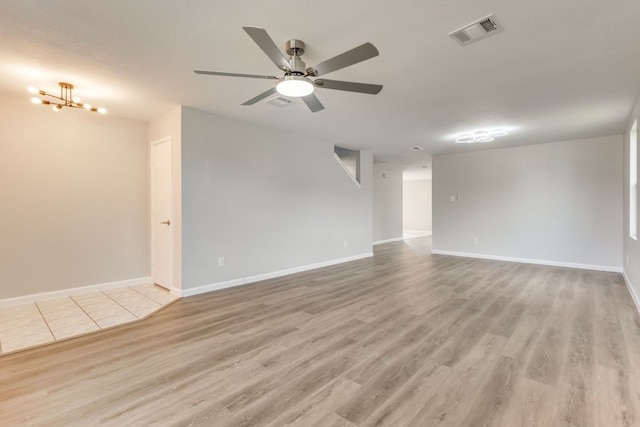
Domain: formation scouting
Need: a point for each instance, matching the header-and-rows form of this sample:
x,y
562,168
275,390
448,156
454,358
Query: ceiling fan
x,y
296,82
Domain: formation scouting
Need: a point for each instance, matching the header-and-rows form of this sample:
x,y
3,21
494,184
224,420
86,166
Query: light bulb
x,y
87,106
56,108
102,110
32,90
76,99
36,100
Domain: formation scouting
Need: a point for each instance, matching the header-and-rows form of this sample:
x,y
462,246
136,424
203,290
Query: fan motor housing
x,y
295,47
295,50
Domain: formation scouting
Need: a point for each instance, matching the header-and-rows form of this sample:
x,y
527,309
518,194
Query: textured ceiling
x,y
560,70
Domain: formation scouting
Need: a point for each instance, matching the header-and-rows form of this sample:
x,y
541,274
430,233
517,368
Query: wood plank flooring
x,y
405,338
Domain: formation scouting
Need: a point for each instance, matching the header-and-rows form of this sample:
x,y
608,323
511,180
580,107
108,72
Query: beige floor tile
x,y
33,324
74,330
89,299
103,311
155,292
58,309
136,303
22,322
25,341
18,330
9,314
26,321
143,312
108,322
55,303
78,319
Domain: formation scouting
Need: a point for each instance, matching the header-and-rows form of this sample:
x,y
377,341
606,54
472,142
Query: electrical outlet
x,y
475,240
452,198
221,261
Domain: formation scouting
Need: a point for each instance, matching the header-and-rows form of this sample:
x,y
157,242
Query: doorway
x,y
161,226
416,207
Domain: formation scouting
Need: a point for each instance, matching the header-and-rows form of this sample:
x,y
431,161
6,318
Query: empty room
x,y
363,213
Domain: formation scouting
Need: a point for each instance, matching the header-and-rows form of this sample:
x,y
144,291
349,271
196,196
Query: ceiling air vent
x,y
476,30
279,101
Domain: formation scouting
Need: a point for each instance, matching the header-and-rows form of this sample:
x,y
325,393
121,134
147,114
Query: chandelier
x,y
481,136
66,99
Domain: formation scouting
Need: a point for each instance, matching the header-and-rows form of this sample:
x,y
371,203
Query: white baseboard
x,y
395,239
246,280
636,300
531,261
417,233
43,296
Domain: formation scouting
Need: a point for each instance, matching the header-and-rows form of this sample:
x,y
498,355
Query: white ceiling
x,y
560,70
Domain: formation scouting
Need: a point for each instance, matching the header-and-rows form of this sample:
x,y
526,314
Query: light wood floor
x,y
402,339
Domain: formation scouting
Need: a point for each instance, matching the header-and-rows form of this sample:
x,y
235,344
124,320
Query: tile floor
x,y
30,325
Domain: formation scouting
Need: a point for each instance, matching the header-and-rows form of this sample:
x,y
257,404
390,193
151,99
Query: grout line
x,y
88,315
132,313
45,321
147,297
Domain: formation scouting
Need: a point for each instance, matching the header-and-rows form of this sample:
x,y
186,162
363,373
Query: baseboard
x,y
531,261
246,280
417,233
395,239
634,296
43,296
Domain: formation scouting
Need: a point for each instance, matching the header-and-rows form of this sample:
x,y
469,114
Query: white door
x,y
161,224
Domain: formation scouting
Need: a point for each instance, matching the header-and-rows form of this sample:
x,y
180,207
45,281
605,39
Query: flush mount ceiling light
x,y
66,99
295,86
416,148
481,136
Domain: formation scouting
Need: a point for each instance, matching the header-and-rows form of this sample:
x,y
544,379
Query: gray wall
x,y
631,246
416,196
387,203
559,202
265,200
74,199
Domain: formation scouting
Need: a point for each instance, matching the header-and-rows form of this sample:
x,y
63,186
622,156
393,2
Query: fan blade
x,y
262,39
313,103
346,59
250,76
349,86
260,97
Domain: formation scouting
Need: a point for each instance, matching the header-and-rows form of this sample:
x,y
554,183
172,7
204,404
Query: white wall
x,y
559,202
631,246
265,200
416,213
387,203
74,199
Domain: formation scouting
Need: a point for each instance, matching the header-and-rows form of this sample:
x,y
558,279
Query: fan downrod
x,y
295,50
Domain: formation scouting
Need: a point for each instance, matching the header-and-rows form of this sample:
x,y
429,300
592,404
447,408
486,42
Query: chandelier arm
x,y
64,100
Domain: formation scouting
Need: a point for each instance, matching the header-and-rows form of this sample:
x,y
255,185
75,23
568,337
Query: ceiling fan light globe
x,y
498,132
465,139
295,86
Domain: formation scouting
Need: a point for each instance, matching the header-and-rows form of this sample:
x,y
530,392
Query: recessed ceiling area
x,y
557,71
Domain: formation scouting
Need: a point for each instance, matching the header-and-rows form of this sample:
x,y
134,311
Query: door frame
x,y
163,140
